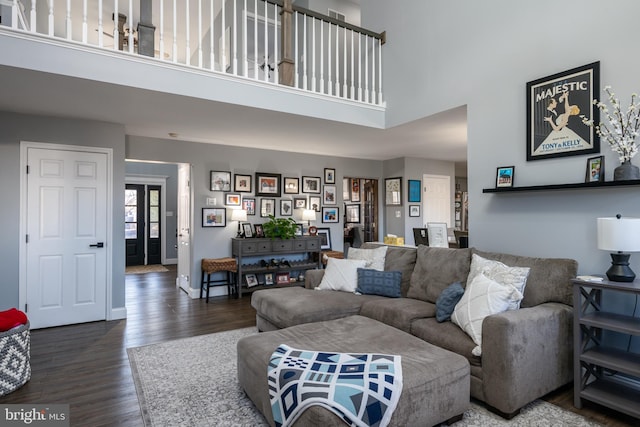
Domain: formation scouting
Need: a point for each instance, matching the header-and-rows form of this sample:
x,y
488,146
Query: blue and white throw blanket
x,y
362,389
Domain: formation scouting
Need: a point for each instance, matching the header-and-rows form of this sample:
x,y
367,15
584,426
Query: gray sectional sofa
x,y
526,353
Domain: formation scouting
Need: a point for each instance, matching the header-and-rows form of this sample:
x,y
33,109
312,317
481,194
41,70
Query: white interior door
x,y
184,227
437,198
66,250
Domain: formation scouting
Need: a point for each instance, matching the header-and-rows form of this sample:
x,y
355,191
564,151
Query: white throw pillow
x,y
482,297
374,257
341,275
501,273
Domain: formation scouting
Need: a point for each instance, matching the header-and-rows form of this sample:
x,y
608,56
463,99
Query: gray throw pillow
x,y
447,301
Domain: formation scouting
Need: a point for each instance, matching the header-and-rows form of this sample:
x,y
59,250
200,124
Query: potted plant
x,y
282,228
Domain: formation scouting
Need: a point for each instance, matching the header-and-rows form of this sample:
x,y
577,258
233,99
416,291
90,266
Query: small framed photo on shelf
x,y
300,202
311,184
414,210
329,176
314,203
286,207
504,176
249,205
251,279
247,230
414,190
268,278
259,231
220,181
330,214
232,199
214,217
267,207
325,237
282,278
329,195
299,229
242,183
393,191
353,214
291,185
595,169
268,184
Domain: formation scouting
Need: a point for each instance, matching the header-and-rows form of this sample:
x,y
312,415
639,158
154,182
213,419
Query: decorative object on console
x,y
239,215
619,132
259,230
620,235
595,169
308,215
281,228
282,278
246,228
313,230
251,279
504,176
554,105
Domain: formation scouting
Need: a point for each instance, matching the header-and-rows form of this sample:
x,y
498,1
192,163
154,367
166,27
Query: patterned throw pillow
x,y
501,273
341,275
374,282
447,301
375,257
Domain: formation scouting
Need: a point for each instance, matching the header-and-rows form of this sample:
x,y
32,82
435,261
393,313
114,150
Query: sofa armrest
x,y
526,354
312,278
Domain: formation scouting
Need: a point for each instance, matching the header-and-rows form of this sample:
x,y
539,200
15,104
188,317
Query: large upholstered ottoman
x,y
435,381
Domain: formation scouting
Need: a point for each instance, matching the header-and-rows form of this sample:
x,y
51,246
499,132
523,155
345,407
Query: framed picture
x,y
214,217
555,106
393,191
314,203
251,279
504,176
414,190
299,202
220,181
325,238
286,207
355,189
595,169
268,184
259,231
330,214
437,232
346,191
247,230
282,278
232,199
329,176
311,184
299,229
353,214
268,278
414,210
242,183
291,185
249,205
267,207
329,196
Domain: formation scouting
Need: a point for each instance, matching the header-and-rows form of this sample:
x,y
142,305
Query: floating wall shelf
x,y
578,185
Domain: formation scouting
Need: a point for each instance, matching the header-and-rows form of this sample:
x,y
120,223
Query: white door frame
x,y
160,180
24,146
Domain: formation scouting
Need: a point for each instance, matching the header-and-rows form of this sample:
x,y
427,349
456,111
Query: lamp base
x,y
620,270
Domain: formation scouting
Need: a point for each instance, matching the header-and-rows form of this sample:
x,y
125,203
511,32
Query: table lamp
x,y
308,215
621,235
239,215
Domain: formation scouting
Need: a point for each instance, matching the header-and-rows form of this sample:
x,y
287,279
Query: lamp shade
x,y
619,234
308,215
238,215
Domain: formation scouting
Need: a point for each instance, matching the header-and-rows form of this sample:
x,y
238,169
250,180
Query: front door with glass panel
x,y
134,223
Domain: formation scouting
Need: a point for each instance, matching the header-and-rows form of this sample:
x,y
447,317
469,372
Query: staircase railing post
x,y
287,64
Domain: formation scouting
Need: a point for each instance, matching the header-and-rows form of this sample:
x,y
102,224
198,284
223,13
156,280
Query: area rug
x,y
192,382
140,269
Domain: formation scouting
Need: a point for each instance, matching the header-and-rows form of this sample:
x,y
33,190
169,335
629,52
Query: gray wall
x,y
16,128
170,171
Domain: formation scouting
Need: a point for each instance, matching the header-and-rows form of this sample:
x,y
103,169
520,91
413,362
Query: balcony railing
x,y
250,39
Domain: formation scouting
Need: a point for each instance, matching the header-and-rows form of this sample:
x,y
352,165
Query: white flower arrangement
x,y
622,129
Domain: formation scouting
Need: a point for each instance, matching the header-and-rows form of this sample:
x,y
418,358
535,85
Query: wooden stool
x,y
331,254
218,265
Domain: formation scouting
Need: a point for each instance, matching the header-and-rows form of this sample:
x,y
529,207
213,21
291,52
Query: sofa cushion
x,y
445,335
296,305
549,279
398,258
374,282
397,312
501,273
437,268
341,275
482,297
374,257
447,301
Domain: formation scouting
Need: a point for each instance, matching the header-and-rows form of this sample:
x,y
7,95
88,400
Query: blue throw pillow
x,y
375,282
447,301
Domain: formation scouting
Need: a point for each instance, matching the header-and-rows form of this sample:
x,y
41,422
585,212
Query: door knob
x,y
97,245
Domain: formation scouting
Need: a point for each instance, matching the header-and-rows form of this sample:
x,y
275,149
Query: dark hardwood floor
x,y
87,366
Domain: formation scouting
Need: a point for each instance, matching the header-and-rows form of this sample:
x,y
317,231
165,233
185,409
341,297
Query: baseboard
x,y
118,313
170,261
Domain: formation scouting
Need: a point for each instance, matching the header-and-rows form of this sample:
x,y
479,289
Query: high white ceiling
x,y
154,114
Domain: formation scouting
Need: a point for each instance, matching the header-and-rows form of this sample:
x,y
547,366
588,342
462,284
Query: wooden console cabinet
x,y
267,249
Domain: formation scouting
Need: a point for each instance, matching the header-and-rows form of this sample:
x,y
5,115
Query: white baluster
x,y
84,22
245,67
255,39
329,55
14,14
345,90
313,54
34,16
67,21
51,20
379,72
100,28
276,74
212,50
266,41
174,51
359,67
321,55
337,91
224,39
116,19
296,79
304,52
130,19
187,47
161,30
373,71
199,33
353,92
235,39
366,69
